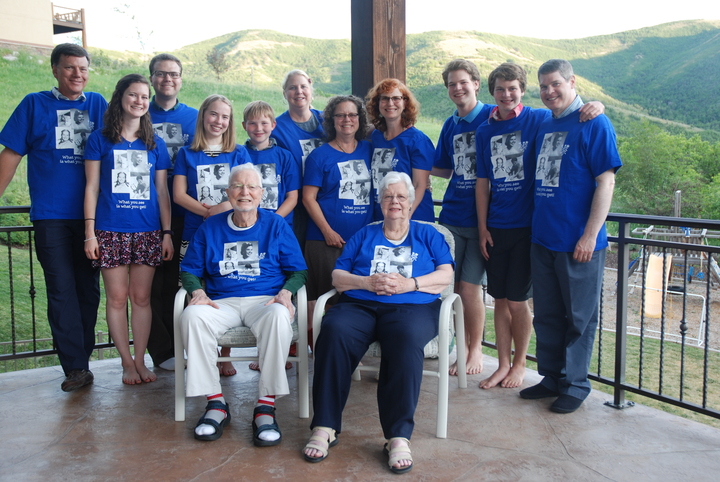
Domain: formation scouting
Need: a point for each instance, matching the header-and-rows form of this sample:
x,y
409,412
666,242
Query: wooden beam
x,y
378,43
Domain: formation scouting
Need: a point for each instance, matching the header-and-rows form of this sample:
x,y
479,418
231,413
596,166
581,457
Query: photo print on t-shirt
x,y
507,156
354,182
464,157
383,161
138,162
307,146
64,138
173,136
140,187
242,257
392,259
550,159
120,181
270,181
212,183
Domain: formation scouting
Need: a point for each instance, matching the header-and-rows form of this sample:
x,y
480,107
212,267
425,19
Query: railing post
x,y
99,342
621,317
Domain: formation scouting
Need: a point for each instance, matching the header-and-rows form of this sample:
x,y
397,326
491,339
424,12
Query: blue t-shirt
x,y
370,252
53,134
570,155
127,201
207,180
292,138
238,262
410,150
506,156
281,174
456,150
345,184
177,128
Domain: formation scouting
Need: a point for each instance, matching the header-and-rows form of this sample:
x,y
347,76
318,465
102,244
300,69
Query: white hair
x,y
393,177
246,167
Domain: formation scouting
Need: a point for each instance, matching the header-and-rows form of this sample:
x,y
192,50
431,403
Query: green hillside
x,y
659,85
659,73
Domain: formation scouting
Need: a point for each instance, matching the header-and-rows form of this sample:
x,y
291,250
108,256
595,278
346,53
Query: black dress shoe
x,y
566,404
538,391
77,379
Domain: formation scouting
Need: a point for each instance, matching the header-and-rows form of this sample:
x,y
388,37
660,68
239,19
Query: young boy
x,y
504,219
281,176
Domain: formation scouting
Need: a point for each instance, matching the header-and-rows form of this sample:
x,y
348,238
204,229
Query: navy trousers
x,y
566,298
347,331
73,289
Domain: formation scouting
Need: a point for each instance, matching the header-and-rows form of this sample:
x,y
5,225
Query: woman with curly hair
x,y
128,235
335,217
399,145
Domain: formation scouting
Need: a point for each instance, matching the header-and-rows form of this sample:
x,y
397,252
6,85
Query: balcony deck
x,y
111,431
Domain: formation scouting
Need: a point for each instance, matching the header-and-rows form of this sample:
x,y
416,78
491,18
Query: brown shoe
x,y
77,379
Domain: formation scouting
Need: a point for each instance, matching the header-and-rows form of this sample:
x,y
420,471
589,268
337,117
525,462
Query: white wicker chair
x,y
242,337
451,325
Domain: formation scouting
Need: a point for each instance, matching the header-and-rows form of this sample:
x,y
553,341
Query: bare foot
x,y
130,376
515,378
256,367
473,367
495,378
226,369
146,375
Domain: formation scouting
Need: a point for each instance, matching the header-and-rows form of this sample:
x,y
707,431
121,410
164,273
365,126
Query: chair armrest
x,y
319,312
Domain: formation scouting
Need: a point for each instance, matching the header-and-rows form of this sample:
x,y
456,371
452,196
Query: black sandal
x,y
213,405
265,410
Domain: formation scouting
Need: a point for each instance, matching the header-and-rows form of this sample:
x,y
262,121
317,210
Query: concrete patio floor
x,y
110,431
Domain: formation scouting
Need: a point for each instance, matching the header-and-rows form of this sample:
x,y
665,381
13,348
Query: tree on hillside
x,y
656,164
217,62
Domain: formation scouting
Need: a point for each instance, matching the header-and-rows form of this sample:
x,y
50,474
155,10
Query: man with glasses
x,y
177,123
73,289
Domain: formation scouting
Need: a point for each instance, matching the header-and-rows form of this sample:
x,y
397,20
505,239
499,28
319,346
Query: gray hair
x,y
245,167
394,177
563,67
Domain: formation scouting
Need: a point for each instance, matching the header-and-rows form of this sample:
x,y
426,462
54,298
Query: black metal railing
x,y
670,353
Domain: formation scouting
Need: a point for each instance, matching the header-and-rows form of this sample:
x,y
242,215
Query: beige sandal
x,y
397,454
318,442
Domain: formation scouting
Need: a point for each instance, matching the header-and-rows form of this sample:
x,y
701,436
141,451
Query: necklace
x,y
398,238
337,143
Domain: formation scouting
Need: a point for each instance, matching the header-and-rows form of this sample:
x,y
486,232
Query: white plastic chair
x,y
242,337
451,323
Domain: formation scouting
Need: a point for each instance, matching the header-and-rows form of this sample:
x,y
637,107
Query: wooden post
x,y
378,42
82,20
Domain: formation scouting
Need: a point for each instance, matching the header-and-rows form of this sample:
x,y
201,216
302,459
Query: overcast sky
x,y
166,26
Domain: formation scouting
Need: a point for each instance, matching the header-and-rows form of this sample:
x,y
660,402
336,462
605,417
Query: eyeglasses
x,y
161,74
343,116
401,199
239,187
395,99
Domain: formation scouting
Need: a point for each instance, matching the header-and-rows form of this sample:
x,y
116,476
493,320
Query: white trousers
x,y
203,325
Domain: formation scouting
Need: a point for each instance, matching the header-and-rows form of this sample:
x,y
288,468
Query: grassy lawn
x,y
17,301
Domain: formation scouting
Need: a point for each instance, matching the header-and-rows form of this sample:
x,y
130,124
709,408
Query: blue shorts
x,y
469,261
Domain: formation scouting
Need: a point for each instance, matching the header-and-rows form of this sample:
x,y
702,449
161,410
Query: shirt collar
x,y
495,116
251,146
575,105
157,107
471,115
59,96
